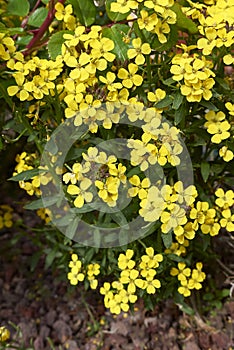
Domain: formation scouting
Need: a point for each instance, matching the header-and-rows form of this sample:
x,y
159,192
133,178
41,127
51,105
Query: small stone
x,y
191,346
71,345
50,317
62,331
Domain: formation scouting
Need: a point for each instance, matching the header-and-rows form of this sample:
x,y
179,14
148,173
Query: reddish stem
x,y
43,28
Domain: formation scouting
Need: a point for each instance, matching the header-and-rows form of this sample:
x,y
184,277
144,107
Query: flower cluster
x,y
194,76
189,279
216,27
27,162
225,202
6,219
133,276
78,273
153,16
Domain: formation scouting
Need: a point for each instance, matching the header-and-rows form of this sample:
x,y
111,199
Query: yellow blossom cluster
x,y
99,169
65,14
159,143
34,78
155,16
167,204
133,276
216,26
194,76
26,162
189,279
45,214
78,273
225,201
6,219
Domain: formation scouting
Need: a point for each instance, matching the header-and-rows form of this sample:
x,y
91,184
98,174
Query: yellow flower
x,y
147,22
81,192
230,107
182,272
219,131
228,59
125,260
139,51
173,219
4,334
156,96
101,48
130,78
62,13
226,154
109,81
207,44
108,190
140,188
184,289
227,220
224,199
160,29
186,195
151,284
123,6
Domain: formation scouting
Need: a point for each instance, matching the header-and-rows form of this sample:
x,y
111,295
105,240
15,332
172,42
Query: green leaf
x,y
72,228
39,203
178,99
165,102
209,105
55,43
37,17
222,83
25,175
114,16
85,10
183,21
181,112
205,170
116,33
12,31
50,257
167,239
175,257
18,8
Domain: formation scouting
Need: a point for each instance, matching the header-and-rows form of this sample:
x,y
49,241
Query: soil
x,y
43,312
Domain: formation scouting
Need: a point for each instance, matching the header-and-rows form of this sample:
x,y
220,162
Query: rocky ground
x,y
43,313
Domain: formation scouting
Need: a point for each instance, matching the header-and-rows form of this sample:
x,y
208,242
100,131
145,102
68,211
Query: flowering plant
x,y
127,109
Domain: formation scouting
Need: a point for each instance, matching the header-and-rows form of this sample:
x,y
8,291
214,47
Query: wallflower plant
x,y
157,78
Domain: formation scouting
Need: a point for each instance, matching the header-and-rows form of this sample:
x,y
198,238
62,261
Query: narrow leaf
x,y
167,239
25,175
205,170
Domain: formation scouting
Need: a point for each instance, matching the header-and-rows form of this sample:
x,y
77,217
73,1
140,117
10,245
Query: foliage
x,y
127,110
